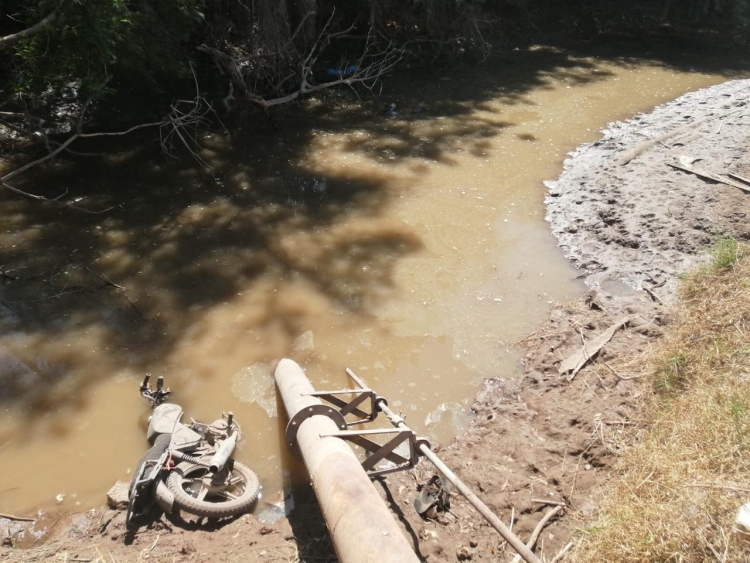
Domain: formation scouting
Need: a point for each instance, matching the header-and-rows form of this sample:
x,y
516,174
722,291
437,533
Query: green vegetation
x,y
726,253
683,482
68,49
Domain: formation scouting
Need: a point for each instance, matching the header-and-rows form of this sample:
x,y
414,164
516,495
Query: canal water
x,y
409,246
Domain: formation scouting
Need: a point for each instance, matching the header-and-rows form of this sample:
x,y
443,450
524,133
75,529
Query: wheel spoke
x,y
202,493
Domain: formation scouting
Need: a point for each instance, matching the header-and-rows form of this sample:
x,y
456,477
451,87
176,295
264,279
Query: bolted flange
x,y
302,416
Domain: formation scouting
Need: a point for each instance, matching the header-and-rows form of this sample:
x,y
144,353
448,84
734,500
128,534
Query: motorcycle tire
x,y
237,497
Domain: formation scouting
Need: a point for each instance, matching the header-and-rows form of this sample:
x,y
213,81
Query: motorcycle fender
x,y
164,497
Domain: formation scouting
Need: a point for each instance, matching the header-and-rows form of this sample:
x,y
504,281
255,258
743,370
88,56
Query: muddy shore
x,y
632,224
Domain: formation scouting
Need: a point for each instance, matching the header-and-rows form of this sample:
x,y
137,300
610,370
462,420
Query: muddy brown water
x,y
410,248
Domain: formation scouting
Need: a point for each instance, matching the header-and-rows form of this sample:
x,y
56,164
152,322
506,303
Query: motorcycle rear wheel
x,y
232,492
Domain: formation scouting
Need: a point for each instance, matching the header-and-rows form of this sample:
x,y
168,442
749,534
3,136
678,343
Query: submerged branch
x,y
182,123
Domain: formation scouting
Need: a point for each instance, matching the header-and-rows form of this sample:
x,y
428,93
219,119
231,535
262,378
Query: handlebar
x,y
155,397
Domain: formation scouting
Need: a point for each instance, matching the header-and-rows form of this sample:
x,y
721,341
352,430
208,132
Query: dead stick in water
x,y
18,518
109,282
538,530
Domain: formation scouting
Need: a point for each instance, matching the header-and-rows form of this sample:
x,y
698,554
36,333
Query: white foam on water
x,y
255,384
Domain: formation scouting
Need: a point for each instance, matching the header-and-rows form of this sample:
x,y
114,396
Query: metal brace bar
x,y
346,434
379,452
376,452
350,407
386,450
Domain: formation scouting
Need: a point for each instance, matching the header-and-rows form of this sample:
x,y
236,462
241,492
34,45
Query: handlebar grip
x,y
159,383
145,380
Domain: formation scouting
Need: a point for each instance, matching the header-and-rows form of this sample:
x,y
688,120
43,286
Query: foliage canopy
x,y
149,46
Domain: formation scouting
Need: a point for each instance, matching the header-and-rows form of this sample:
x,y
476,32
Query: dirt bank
x,y
632,224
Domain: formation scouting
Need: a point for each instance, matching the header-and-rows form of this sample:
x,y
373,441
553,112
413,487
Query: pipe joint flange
x,y
302,416
421,441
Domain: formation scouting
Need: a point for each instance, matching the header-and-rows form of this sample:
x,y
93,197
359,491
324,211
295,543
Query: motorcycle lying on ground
x,y
189,466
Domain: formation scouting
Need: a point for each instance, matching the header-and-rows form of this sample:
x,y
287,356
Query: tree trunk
x,y
273,25
300,9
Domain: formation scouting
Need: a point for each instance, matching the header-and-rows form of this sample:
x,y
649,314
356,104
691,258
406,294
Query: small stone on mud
x,y
464,554
10,532
117,496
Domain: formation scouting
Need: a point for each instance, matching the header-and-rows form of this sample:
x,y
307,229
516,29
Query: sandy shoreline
x,y
632,228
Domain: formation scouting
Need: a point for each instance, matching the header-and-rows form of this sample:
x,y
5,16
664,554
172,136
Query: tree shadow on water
x,y
184,240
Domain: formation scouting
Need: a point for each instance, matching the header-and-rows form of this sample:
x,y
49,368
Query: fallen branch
x,y
146,552
635,152
35,29
739,178
538,530
179,123
576,361
562,553
546,501
686,165
38,161
653,295
17,518
371,65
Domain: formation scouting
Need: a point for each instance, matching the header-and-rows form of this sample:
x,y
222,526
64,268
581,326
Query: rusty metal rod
x,y
513,540
362,528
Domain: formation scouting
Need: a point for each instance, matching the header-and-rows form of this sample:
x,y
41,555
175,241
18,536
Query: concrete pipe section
x,y
362,528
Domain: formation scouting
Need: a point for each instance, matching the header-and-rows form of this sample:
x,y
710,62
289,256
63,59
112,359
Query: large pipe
x,y
362,528
513,540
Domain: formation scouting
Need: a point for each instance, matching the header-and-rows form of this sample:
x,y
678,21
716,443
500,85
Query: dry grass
x,y
684,480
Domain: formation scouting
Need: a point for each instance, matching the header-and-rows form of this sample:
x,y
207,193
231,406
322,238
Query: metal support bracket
x,y
351,407
379,452
341,408
302,416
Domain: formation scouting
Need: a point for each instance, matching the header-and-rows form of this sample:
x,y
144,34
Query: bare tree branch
x,y
368,69
180,123
14,38
45,158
